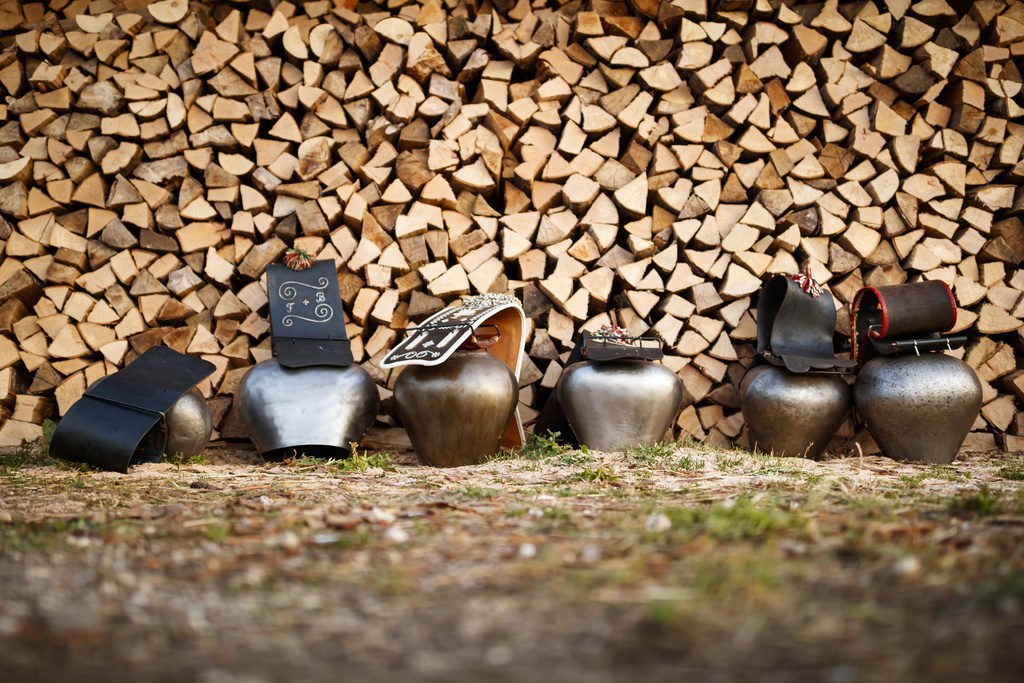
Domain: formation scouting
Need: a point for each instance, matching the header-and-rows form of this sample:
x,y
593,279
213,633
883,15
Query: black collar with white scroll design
x,y
306,316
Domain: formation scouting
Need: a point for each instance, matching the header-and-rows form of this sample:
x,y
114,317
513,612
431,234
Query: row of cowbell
x,y
457,393
458,389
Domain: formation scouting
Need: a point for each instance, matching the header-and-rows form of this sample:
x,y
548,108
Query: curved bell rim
x,y
317,450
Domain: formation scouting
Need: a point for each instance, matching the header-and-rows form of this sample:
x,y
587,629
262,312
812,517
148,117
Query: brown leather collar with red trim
x,y
919,310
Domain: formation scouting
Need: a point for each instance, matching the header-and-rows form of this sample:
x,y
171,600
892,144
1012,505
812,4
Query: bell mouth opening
x,y
307,451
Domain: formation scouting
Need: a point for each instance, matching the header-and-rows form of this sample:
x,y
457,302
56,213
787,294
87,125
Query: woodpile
x,y
644,164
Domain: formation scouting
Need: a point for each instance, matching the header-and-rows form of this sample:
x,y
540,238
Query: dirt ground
x,y
554,565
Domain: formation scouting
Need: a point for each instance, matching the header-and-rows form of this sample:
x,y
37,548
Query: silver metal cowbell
x,y
305,409
619,404
794,414
918,407
918,403
795,400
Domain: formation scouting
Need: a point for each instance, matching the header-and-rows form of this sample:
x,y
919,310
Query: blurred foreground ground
x,y
556,565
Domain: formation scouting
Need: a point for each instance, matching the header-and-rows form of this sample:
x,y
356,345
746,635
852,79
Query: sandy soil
x,y
563,566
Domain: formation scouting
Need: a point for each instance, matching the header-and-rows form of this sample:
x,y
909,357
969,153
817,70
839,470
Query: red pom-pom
x,y
298,259
808,285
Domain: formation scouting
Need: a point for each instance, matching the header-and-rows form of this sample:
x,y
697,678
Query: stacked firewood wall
x,y
646,165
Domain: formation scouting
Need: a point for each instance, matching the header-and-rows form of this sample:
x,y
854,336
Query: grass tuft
x,y
1013,472
739,520
646,454
601,473
691,462
478,492
360,462
356,462
179,459
540,447
984,502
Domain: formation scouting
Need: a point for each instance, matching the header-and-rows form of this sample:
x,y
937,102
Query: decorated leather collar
x,y
902,318
796,321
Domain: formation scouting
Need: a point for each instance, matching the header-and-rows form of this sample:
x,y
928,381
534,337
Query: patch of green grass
x,y
303,461
645,453
557,515
1014,472
37,454
360,462
391,580
478,493
740,520
21,536
217,531
941,472
690,462
80,467
540,447
179,459
912,481
574,457
984,502
601,473
727,460
947,473
356,462
771,463
28,454
876,506
31,453
666,612
775,465
750,575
